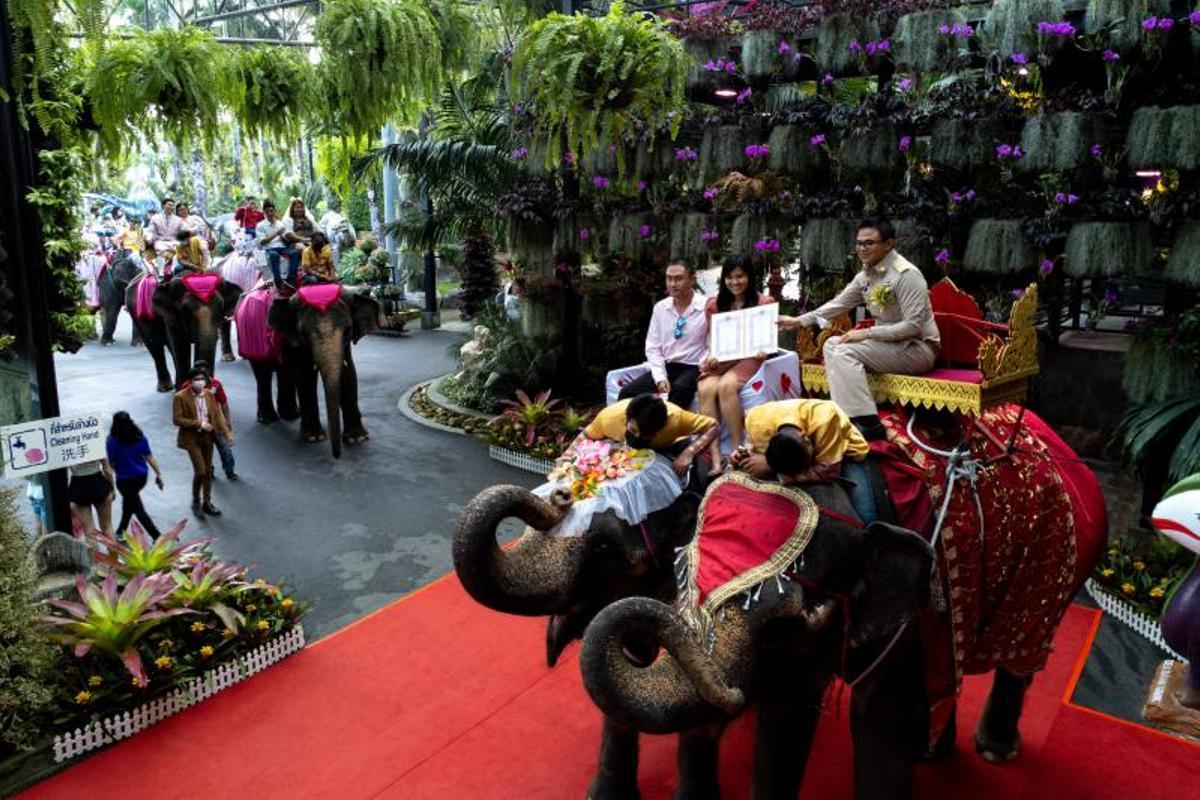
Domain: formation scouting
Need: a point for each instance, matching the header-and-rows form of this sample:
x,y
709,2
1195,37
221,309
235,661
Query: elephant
x,y
848,609
264,349
180,317
113,283
319,324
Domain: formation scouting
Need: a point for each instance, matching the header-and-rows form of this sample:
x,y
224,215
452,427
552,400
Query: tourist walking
x,y
90,489
131,459
224,445
198,416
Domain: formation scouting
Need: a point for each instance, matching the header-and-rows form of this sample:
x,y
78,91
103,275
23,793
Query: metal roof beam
x,y
246,12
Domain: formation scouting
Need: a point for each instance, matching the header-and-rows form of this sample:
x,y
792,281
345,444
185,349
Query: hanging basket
x,y
827,244
836,31
1105,249
1061,141
1011,25
1165,137
918,45
687,242
1184,264
723,150
997,246
873,157
792,155
966,143
762,59
1155,372
1127,15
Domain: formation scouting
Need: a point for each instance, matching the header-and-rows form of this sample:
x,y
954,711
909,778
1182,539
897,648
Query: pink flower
x,y
784,47
710,194
1166,23
709,235
584,234
943,257
816,140
600,182
1111,56
905,143
1149,23
1047,266
645,230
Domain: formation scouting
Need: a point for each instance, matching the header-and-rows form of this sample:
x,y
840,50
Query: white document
x,y
735,335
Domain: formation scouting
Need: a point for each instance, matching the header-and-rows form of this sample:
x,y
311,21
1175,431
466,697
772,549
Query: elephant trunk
x,y
680,690
329,355
206,336
530,578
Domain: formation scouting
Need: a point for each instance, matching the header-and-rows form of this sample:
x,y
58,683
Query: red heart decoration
x,y
757,385
785,382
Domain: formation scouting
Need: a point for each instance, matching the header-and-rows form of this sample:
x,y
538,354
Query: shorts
x,y
89,490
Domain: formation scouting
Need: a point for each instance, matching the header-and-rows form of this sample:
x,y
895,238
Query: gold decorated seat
x,y
981,364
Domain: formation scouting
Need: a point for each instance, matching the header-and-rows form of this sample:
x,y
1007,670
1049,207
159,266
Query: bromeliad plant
x,y
113,620
595,80
137,553
207,586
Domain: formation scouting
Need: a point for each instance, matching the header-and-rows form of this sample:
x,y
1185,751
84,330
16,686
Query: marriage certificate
x,y
735,335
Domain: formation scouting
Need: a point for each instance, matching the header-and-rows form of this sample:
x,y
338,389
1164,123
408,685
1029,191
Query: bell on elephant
x,y
1174,699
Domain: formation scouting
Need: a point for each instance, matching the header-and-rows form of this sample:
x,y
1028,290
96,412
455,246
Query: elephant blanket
x,y
722,561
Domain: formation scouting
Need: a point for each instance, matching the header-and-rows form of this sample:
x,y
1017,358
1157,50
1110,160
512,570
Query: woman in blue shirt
x,y
129,454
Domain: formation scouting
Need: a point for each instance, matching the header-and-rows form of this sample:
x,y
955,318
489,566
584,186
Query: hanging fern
x,y
997,246
1108,248
1011,25
1184,263
1165,137
919,45
1061,141
170,81
595,80
827,244
1122,19
280,88
381,60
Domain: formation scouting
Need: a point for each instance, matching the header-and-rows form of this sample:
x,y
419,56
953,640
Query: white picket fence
x,y
1144,625
520,460
120,726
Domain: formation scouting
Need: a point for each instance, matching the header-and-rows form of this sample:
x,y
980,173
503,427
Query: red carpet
x,y
436,697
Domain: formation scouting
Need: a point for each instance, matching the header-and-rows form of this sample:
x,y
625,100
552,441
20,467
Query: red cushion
x,y
320,295
203,287
955,375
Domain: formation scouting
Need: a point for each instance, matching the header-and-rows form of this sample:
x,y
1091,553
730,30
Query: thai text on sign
x,y
41,445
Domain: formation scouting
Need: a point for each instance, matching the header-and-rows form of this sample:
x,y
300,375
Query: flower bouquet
x,y
592,463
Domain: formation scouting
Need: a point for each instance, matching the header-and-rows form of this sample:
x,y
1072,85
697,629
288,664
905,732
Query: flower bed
x,y
119,726
1145,626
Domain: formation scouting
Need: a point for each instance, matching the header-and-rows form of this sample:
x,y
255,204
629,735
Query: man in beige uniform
x,y
904,338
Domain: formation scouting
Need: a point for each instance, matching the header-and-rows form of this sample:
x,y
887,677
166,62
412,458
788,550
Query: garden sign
x,y
42,445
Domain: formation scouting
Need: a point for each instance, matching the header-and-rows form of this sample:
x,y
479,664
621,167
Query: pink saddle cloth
x,y
240,270
320,295
202,287
143,299
257,341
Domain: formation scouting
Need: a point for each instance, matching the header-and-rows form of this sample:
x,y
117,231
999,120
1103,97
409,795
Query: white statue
x,y
471,353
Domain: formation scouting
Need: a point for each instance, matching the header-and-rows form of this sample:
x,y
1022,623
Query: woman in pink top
x,y
721,381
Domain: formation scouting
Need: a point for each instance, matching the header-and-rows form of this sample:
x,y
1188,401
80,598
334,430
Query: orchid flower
x,y
599,181
905,144
942,257
1047,266
645,231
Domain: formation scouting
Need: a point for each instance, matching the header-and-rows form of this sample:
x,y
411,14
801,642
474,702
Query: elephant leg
x,y
997,738
616,776
153,335
226,329
181,348
697,763
111,312
781,746
286,394
352,425
264,371
889,723
305,376
136,339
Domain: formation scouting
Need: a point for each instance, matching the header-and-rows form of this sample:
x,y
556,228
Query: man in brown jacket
x,y
198,416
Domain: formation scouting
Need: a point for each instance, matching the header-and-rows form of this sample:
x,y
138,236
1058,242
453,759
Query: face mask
x,y
636,442
198,386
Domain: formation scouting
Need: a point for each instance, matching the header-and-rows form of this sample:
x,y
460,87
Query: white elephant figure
x,y
339,231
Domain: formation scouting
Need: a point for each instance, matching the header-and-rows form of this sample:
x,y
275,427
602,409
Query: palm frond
x,y
1147,427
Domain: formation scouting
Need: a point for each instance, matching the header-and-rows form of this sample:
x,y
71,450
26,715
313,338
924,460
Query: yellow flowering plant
x,y
1142,570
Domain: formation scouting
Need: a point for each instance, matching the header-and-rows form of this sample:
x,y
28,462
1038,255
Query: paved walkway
x,y
347,535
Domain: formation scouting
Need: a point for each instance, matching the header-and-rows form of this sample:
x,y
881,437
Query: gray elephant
x,y
845,610
319,324
113,283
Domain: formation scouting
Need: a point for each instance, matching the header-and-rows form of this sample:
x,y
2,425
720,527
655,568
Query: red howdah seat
x,y
981,364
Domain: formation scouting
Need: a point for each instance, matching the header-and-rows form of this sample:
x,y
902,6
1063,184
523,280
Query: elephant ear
x,y
893,584
675,525
167,297
284,318
364,315
230,294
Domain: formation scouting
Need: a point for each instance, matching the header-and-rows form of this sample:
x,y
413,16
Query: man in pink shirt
x,y
676,342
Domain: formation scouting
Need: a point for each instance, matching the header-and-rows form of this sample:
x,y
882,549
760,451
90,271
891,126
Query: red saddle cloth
x,y
320,295
202,287
143,298
257,341
748,532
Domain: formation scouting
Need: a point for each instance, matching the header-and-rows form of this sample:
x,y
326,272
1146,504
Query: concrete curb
x,y
404,407
434,388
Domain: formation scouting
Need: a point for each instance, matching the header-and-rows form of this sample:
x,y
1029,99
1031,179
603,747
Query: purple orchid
x,y
562,267
709,235
645,231
1194,18
1111,56
744,95
827,79
1004,151
969,195
569,159
870,48
767,245
520,153
584,234
641,186
730,67
855,47
1166,23
599,181
1096,150
1110,295
943,29
1017,294
905,84
1017,152
1047,266
757,150
1149,23
942,257
685,154
1060,198
711,194
795,58
710,66
1019,58
905,144
817,139
964,30
885,45
784,47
